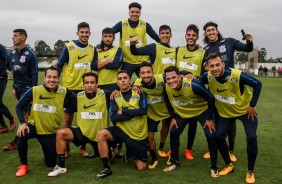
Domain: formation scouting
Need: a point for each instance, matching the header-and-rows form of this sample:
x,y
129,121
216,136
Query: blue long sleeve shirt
x,y
128,114
24,65
150,31
4,59
226,48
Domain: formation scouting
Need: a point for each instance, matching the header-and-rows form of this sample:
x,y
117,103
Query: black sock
x,y
161,145
105,161
153,154
61,160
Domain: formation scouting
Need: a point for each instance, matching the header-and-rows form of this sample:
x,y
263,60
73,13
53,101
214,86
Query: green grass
x,y
80,170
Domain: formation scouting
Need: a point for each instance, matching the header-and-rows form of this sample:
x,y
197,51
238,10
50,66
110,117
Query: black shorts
x,y
153,125
79,139
135,149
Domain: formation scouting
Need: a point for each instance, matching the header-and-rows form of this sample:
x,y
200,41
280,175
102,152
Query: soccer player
x,y
234,100
92,116
134,27
108,61
47,105
75,60
24,66
128,109
4,58
161,56
191,101
226,48
153,86
190,58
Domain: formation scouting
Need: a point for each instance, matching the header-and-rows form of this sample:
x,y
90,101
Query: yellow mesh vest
x,y
155,98
184,102
79,63
47,110
92,114
135,128
228,100
107,76
164,57
124,43
190,61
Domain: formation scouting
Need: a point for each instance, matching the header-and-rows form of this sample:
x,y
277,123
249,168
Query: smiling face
x,y
165,36
216,66
83,35
134,14
191,37
173,80
90,84
146,74
51,79
212,33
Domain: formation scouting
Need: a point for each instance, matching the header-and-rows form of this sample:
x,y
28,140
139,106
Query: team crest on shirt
x,y
81,94
160,84
135,97
71,48
142,24
26,53
117,96
125,24
222,48
211,78
91,46
186,85
22,59
234,80
13,52
100,94
62,90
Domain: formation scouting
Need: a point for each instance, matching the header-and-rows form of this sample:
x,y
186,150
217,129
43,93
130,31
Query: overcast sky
x,y
51,20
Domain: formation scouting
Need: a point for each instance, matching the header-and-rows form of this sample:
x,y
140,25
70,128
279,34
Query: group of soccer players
x,y
170,88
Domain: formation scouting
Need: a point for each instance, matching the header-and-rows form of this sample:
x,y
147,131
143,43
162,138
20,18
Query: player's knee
x,y
141,165
252,139
101,135
61,134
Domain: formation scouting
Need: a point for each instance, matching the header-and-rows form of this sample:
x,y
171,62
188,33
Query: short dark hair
x,y
90,74
213,55
108,30
162,27
171,69
135,5
51,68
145,64
83,25
21,32
193,27
210,23
123,71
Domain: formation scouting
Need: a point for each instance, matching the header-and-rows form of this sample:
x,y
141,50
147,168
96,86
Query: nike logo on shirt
x,y
221,90
86,107
106,56
187,57
80,57
176,96
168,52
43,97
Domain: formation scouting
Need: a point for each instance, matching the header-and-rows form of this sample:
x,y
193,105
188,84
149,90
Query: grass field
x,y
82,170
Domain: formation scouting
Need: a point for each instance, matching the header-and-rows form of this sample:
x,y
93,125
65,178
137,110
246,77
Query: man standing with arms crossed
x,y
75,60
233,100
24,65
226,48
134,27
128,109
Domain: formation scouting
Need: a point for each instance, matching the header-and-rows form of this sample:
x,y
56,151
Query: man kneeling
x,y
92,116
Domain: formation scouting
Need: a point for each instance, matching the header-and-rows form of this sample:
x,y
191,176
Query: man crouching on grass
x,y
128,109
